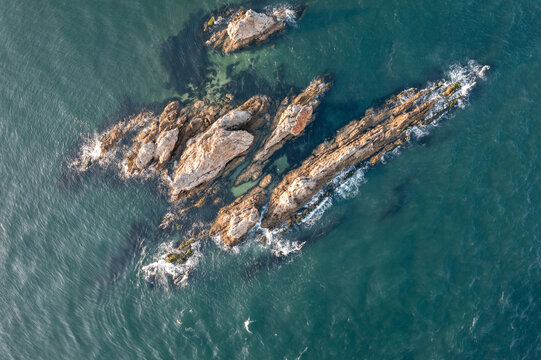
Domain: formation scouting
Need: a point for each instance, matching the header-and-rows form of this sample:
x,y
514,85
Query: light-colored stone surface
x,y
235,220
207,156
290,121
145,156
165,145
249,25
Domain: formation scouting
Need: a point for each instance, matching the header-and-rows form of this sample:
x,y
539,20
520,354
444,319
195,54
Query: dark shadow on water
x,y
184,55
140,233
269,261
398,200
434,137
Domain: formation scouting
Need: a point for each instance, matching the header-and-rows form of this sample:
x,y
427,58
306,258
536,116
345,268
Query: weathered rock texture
x,y
379,131
161,136
293,116
234,221
248,27
207,154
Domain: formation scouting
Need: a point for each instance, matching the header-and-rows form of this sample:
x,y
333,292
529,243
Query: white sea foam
x,y
279,246
285,14
346,187
349,187
247,325
160,271
89,153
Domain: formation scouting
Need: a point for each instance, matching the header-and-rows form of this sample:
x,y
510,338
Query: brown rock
x,y
235,220
380,130
290,121
249,27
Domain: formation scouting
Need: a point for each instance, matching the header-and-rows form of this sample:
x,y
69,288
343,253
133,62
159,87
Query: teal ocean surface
x,y
435,254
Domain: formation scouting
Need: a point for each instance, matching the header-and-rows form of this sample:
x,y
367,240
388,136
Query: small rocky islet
x,y
193,148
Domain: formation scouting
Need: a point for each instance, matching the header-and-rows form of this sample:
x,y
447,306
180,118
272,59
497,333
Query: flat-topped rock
x,y
207,154
247,27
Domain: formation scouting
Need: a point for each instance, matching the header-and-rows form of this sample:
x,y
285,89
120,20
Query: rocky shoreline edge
x,y
197,151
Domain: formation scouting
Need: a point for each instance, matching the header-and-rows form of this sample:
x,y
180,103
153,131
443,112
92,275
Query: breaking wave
x,y
161,272
347,183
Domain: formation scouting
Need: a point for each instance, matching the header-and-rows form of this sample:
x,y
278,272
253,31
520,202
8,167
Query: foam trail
x,y
348,186
160,270
247,325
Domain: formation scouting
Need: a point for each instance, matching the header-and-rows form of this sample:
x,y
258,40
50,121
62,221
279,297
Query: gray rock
x,y
166,143
145,155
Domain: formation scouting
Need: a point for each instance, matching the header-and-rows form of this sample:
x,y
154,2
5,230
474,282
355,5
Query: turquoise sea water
x,y
435,255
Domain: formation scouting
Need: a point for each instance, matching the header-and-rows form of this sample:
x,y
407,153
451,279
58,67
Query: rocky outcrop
x,y
110,139
207,154
235,220
158,140
247,27
379,131
293,116
165,145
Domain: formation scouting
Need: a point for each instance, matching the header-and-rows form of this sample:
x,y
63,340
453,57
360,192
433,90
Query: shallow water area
x,y
435,253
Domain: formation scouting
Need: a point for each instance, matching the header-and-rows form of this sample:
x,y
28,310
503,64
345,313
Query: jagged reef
x,y
200,150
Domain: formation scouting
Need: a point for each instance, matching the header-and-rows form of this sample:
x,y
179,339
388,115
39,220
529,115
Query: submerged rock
x,y
379,131
182,253
293,116
235,220
247,27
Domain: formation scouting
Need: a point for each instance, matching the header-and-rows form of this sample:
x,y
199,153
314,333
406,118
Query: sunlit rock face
x,y
379,131
248,27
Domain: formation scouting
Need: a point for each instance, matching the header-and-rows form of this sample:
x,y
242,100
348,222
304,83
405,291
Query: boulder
x,y
207,154
145,155
249,27
165,145
205,158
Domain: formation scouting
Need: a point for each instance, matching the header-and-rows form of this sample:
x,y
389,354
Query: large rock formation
x,y
247,27
293,116
379,131
235,220
207,154
159,137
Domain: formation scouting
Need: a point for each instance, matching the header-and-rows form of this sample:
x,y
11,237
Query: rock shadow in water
x,y
185,57
398,201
